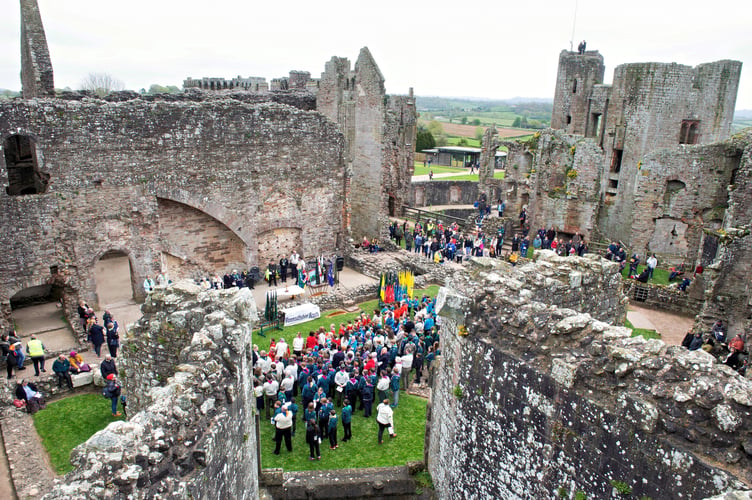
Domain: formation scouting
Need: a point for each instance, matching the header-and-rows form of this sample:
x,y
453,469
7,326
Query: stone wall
x,y
556,401
185,371
379,133
36,67
561,186
729,295
442,192
647,106
662,297
240,167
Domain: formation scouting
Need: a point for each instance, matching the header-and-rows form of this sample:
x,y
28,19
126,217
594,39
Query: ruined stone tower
x,y
36,66
379,133
578,74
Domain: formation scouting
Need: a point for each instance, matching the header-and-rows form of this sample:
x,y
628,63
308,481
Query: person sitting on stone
x,y
29,393
737,343
61,367
676,272
643,277
684,284
734,359
77,364
696,342
688,339
365,244
719,331
611,251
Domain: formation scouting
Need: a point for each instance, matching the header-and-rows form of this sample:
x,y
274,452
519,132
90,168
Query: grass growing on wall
x,y
66,423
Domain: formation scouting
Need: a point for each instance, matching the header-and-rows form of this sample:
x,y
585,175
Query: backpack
x,y
106,393
383,384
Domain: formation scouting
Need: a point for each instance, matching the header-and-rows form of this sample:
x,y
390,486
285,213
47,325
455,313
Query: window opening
x,y
24,176
689,132
616,160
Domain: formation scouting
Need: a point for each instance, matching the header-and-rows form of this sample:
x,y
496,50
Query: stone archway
x,y
113,274
38,310
194,243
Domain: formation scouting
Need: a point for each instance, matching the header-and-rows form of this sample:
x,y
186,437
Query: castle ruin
x,y
555,399
646,161
196,183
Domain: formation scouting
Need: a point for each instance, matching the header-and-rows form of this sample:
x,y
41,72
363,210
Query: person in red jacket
x,y
737,343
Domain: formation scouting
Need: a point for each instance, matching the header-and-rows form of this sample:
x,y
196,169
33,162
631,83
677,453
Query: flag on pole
x,y
330,273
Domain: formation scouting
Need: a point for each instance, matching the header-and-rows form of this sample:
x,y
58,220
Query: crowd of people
x,y
287,269
436,241
730,352
348,368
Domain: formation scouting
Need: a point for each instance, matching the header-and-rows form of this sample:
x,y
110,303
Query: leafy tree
x,y
516,122
441,140
101,83
479,133
435,128
160,89
462,142
463,120
424,140
475,122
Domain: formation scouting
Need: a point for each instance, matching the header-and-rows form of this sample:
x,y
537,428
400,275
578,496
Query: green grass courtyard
x,y
363,450
66,423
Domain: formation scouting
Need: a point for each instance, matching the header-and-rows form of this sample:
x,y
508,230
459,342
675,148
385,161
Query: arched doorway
x,y
37,310
114,278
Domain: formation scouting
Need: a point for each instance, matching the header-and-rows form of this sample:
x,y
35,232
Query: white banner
x,y
301,314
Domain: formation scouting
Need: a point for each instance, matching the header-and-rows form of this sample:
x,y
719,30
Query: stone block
x,y
83,378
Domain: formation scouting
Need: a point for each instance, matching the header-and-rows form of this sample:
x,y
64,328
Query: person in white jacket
x,y
385,419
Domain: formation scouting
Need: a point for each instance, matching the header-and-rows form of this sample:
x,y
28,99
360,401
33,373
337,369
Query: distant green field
x,y
500,118
470,142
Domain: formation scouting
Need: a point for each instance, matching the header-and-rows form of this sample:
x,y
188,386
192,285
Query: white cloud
x,y
485,48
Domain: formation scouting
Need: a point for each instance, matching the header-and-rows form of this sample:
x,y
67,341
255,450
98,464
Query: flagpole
x,y
574,23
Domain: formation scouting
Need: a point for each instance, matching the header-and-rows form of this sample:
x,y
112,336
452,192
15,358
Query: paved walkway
x,y
672,327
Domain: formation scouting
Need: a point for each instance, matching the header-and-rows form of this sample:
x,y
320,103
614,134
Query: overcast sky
x,y
494,49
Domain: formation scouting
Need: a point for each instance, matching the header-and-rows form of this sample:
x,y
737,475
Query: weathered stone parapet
x,y
194,433
546,397
393,483
663,297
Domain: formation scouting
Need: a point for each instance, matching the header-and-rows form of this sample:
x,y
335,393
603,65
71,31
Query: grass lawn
x,y
648,334
326,319
363,450
65,424
498,174
660,276
437,169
